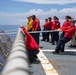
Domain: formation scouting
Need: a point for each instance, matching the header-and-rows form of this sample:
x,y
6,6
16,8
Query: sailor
x,y
55,26
31,46
36,27
68,33
44,34
29,23
48,27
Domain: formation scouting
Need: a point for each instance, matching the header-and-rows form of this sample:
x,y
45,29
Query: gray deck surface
x,y
64,63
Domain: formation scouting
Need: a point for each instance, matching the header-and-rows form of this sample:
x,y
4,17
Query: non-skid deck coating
x,y
64,63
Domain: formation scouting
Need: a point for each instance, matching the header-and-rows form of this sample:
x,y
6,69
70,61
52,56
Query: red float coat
x,y
69,32
29,41
48,25
36,25
55,25
66,24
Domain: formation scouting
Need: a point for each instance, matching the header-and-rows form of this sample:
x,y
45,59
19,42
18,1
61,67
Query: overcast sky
x,y
15,12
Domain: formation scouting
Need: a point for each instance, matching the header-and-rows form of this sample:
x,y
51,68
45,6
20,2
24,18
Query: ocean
x,y
9,29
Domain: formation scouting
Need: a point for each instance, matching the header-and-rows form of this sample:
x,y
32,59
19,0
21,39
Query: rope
x,y
44,31
29,32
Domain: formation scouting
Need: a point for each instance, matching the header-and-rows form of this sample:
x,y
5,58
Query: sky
x,y
15,12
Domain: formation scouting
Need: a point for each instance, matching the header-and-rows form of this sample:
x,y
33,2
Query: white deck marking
x,y
47,50
46,64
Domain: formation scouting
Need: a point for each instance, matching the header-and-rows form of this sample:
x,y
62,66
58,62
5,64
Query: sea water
x,y
10,29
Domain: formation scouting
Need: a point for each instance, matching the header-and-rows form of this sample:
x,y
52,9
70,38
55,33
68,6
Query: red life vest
x,y
69,32
48,25
65,25
55,25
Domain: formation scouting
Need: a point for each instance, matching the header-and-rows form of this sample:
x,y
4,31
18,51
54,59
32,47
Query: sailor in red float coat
x,y
55,26
44,34
36,27
65,25
31,45
48,25
68,33
44,25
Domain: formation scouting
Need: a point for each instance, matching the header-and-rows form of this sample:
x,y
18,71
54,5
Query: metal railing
x,y
17,61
